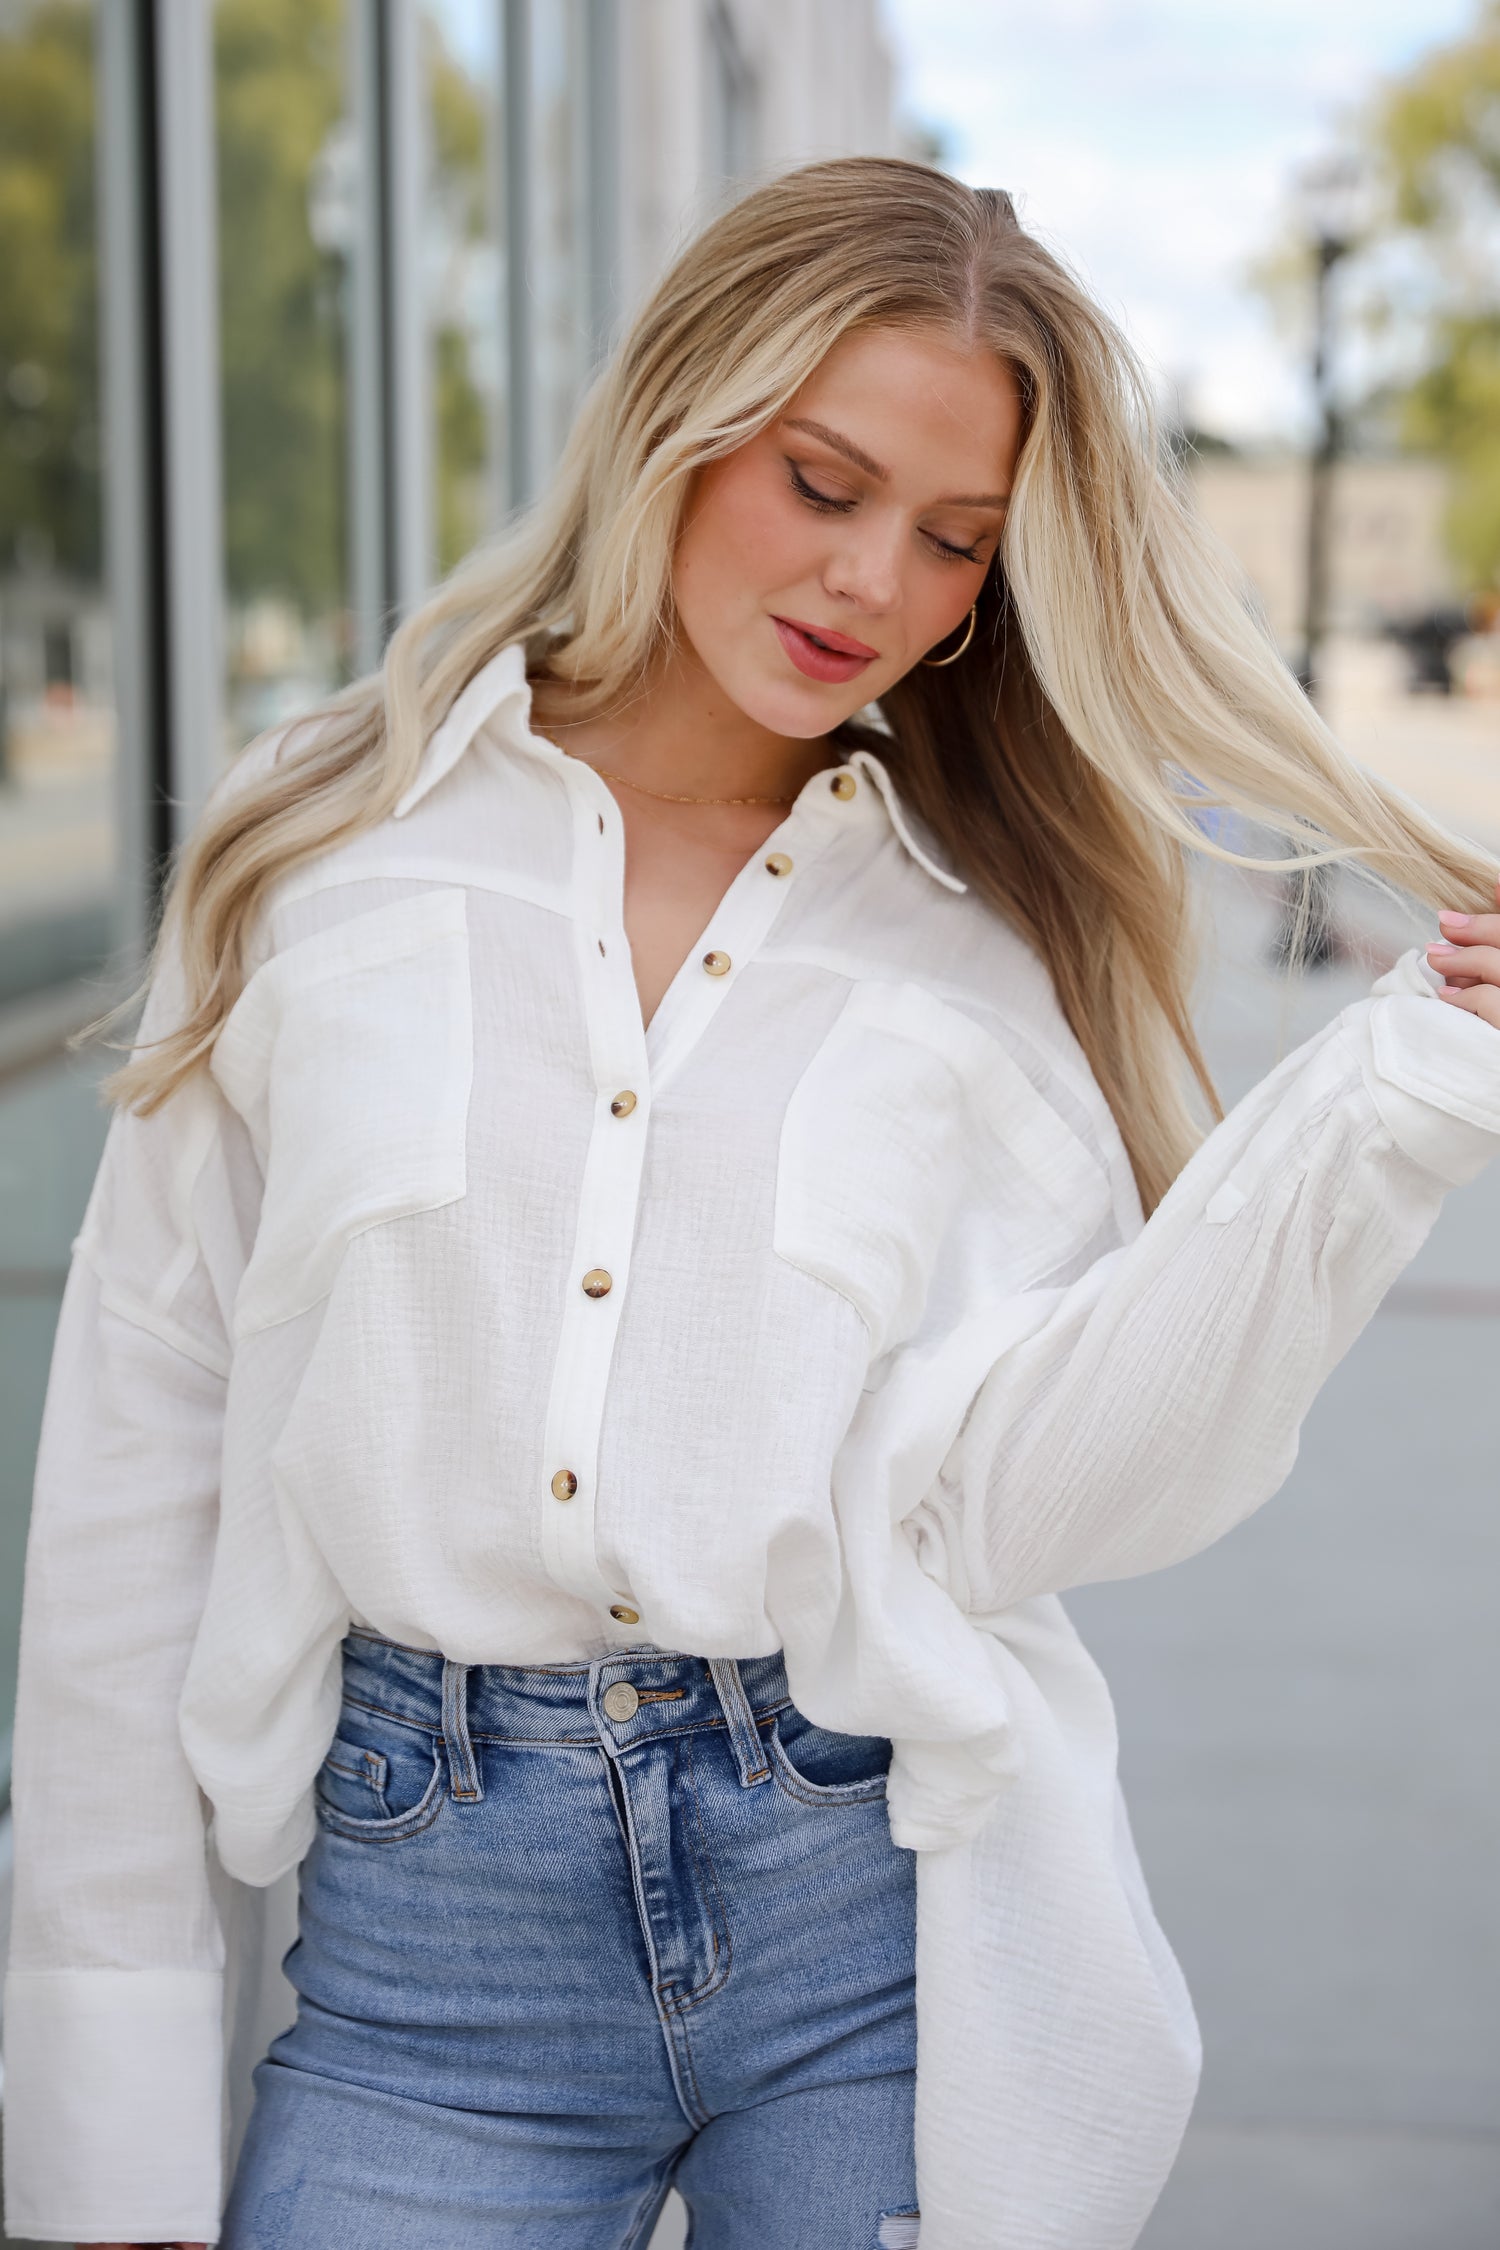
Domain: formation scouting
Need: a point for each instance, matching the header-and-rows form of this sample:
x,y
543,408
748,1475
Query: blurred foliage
x,y
279,96
1454,411
456,123
1436,133
280,69
49,324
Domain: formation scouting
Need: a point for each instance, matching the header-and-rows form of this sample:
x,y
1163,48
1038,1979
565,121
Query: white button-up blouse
x,y
817,1316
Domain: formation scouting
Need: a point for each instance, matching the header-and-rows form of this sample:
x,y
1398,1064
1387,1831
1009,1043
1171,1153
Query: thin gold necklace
x,y
667,798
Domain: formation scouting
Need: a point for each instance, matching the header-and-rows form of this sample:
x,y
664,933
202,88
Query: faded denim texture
x,y
564,1946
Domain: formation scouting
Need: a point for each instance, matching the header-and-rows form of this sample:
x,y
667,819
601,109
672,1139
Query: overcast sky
x,y
1152,141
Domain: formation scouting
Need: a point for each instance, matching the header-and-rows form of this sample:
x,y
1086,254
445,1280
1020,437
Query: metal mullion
x,y
134,426
521,383
497,436
408,337
187,236
391,548
601,169
370,527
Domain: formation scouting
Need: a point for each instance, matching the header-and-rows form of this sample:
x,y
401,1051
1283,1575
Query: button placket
x,y
609,1193
742,922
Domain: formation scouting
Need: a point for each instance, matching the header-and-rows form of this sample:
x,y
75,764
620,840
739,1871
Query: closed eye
x,y
828,504
814,498
956,554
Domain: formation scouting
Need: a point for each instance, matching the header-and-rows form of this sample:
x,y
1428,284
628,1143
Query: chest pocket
x,y
918,1163
350,1057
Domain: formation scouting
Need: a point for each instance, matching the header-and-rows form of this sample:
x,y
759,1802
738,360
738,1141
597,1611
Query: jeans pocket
x,y
818,1766
382,1779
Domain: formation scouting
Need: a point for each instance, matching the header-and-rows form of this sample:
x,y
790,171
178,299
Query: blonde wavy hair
x,y
1119,681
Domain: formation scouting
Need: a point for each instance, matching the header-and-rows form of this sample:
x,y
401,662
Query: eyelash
x,y
821,501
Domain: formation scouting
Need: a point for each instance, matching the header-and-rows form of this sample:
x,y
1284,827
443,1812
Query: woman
x,y
619,1293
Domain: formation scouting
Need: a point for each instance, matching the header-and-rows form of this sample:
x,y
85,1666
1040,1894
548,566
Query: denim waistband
x,y
566,1703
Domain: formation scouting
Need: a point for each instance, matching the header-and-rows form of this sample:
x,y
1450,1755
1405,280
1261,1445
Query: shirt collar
x,y
866,762
503,682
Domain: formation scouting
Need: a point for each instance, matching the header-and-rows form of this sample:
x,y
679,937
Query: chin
x,y
800,709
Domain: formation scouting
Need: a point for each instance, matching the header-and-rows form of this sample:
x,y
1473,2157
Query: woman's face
x,y
863,518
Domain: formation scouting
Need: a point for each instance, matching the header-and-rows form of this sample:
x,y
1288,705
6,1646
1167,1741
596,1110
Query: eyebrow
x,y
872,468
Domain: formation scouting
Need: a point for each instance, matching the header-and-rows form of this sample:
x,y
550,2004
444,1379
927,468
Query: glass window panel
x,y
557,264
288,227
731,100
464,273
61,905
58,845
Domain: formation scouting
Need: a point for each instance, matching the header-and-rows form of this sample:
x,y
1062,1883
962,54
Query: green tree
x,y
1436,134
279,97
49,323
457,153
281,104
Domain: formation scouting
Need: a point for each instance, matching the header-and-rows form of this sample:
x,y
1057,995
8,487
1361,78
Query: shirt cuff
x,y
112,2115
1433,1071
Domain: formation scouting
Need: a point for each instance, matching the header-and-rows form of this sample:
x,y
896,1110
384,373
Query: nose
x,y
866,570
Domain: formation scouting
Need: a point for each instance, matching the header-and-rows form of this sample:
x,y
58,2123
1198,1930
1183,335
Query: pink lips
x,y
821,654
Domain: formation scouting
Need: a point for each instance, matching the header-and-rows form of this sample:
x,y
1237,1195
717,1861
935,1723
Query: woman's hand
x,y
1467,957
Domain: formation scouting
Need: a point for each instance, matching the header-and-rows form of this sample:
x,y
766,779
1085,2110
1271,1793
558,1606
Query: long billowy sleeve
x,y
113,1992
1139,1413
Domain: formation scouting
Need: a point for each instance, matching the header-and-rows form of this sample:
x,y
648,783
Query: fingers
x,y
1467,957
1474,963
1476,1000
1470,929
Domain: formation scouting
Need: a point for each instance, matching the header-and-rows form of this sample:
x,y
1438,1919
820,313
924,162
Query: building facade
x,y
1388,562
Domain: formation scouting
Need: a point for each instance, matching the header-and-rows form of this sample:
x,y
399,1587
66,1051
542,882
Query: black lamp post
x,y
1332,198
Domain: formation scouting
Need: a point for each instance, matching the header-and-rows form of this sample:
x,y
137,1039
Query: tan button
x,y
778,864
620,1699
717,964
597,1283
843,785
564,1485
622,1104
624,1616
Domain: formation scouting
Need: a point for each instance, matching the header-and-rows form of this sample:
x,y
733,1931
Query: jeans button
x,y
620,1700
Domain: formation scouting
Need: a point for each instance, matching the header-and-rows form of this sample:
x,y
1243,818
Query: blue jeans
x,y
572,1935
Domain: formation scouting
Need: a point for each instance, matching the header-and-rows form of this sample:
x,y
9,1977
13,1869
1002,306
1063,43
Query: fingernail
x,y
1454,921
1443,952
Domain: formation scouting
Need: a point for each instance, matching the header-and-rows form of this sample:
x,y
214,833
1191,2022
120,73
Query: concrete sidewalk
x,y
1309,1716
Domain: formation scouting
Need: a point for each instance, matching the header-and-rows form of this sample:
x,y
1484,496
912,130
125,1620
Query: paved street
x,y
1309,1715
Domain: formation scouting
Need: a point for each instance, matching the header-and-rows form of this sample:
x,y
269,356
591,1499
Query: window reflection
x,y
464,273
59,846
557,278
57,733
285,149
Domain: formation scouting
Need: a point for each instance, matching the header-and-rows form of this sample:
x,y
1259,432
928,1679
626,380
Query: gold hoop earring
x,y
937,662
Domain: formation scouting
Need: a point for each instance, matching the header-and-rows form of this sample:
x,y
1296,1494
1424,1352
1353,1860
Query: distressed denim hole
x,y
898,2230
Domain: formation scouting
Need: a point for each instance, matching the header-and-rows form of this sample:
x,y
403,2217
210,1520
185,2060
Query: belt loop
x,y
463,1771
749,1751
